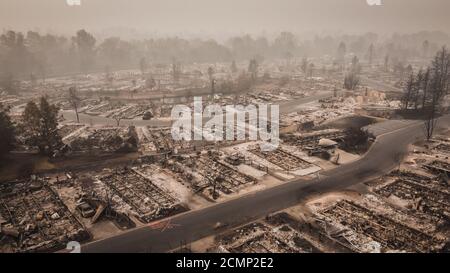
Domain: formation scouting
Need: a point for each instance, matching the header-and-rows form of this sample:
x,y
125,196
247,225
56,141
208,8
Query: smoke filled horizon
x,y
223,19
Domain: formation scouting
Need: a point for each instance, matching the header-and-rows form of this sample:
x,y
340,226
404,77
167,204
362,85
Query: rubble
x,y
438,167
146,200
348,216
322,143
105,140
267,236
130,113
217,174
36,219
424,196
283,159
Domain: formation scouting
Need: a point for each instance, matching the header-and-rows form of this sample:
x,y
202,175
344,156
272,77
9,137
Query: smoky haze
x,y
225,17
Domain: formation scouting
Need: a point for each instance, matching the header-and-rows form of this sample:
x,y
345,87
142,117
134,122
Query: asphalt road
x,y
191,226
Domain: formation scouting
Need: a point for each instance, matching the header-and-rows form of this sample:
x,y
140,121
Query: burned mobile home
x,y
35,219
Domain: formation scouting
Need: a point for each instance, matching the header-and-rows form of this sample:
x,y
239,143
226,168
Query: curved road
x,y
194,225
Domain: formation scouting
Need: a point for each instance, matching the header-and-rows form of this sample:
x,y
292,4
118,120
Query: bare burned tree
x,y
118,118
425,86
398,158
370,54
386,63
351,80
176,70
408,92
430,124
74,101
425,48
150,82
418,80
311,70
439,86
304,65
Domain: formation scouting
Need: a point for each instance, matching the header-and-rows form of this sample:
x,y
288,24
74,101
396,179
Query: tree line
x,y
37,129
36,56
425,90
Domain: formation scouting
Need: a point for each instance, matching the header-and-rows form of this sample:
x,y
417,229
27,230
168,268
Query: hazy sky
x,y
227,16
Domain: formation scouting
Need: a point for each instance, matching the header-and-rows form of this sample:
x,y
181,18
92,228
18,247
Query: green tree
x,y
7,132
356,66
233,68
210,73
253,68
351,81
243,83
30,125
49,126
40,126
408,92
8,84
85,43
143,65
